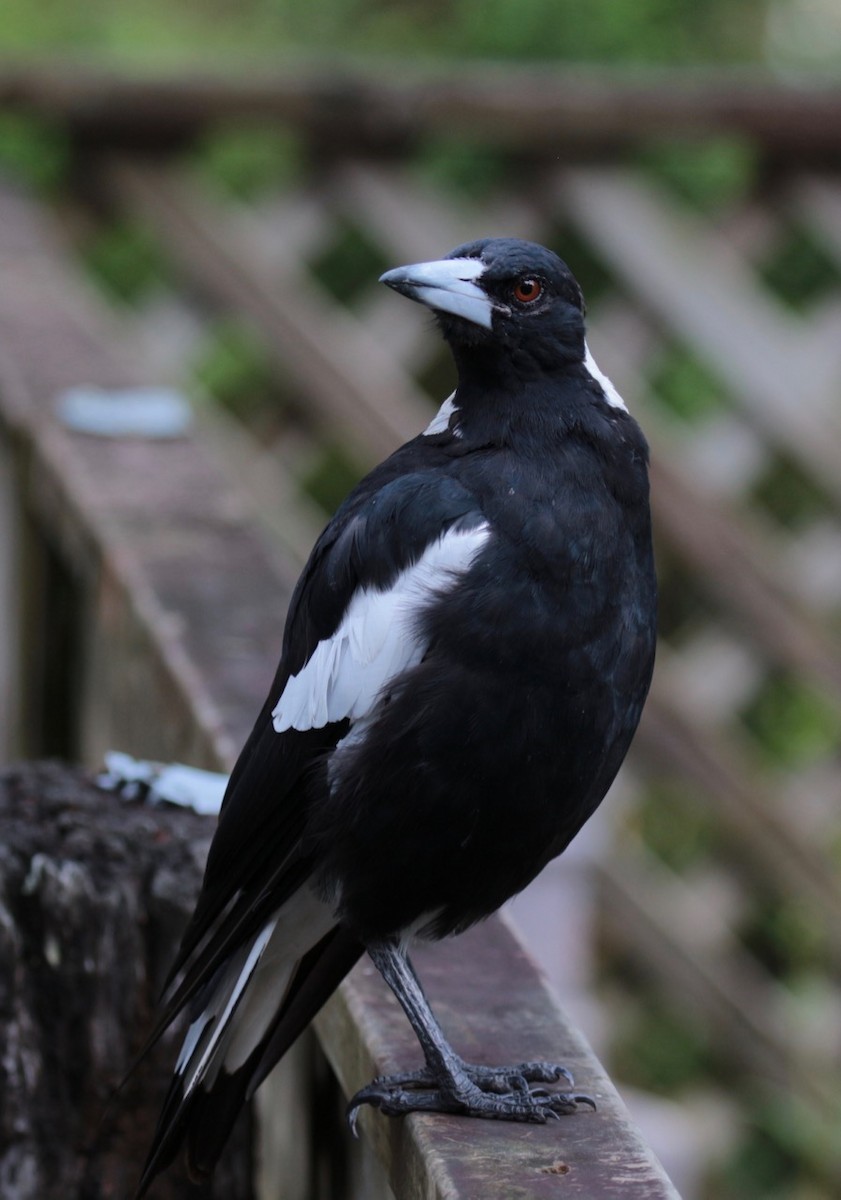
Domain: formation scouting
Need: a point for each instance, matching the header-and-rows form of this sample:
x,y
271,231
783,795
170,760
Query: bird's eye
x,y
528,289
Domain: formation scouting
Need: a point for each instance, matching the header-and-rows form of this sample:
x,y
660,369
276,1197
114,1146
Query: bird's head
x,y
513,296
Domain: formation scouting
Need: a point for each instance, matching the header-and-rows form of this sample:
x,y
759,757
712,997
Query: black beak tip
x,y
398,280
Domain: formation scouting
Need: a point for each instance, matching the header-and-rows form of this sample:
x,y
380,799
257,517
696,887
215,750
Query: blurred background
x,y
229,179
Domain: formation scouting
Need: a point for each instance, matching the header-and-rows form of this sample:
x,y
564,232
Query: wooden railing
x,y
148,607
548,112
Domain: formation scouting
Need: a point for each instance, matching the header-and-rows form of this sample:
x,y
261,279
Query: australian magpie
x,y
465,661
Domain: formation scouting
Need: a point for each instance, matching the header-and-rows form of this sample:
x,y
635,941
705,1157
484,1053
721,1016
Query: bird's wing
x,y
262,952
398,540
243,1020
377,639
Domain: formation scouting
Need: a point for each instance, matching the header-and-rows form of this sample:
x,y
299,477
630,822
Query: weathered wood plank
x,y
544,111
94,894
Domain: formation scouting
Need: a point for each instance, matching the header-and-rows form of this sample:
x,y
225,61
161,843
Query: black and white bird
x,y
465,662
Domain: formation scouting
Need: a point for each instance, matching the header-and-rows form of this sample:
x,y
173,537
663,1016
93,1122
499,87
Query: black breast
x,y
490,754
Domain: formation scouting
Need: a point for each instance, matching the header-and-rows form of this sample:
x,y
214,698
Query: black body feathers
x,y
465,662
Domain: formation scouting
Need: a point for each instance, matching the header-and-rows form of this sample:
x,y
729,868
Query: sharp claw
x,y
551,1072
351,1116
566,1102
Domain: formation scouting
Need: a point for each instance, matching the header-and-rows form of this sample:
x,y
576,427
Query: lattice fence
x,y
719,897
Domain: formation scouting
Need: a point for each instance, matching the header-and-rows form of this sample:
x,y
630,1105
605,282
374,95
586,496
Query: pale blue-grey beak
x,y
447,286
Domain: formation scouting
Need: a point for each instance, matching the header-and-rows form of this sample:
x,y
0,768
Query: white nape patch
x,y
440,423
377,639
610,393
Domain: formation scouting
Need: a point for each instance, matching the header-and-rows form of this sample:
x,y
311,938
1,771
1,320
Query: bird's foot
x,y
495,1093
488,1079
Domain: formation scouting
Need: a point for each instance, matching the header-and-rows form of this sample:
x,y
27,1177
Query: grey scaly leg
x,y
448,1084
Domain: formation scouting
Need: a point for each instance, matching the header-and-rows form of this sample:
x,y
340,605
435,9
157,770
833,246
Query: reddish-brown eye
x,y
527,290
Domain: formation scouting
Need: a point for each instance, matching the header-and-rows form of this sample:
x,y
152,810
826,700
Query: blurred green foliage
x,y
675,824
233,367
349,263
658,1048
330,477
684,386
126,260
244,161
470,169
788,493
709,174
799,269
784,1154
792,723
631,31
785,934
763,1164
35,152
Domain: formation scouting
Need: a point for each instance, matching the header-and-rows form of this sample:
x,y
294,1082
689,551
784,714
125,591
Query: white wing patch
x,y
440,423
610,393
301,923
376,640
250,989
198,1052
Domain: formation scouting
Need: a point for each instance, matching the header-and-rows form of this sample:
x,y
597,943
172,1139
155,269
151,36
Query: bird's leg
x,y
490,1079
448,1084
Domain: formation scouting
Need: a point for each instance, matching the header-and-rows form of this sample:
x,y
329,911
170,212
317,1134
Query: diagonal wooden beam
x,y
349,384
701,291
